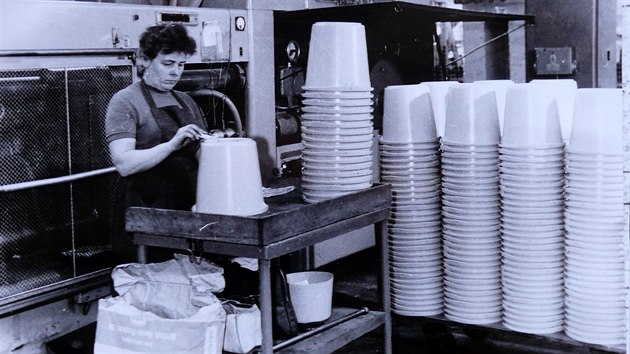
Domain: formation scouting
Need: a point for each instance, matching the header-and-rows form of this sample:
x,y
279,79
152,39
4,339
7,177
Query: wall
x,y
503,59
589,26
625,42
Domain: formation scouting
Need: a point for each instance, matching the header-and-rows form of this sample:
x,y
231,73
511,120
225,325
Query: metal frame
x,y
145,221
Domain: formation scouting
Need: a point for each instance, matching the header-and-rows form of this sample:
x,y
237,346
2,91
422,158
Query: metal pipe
x,y
320,329
485,44
217,78
56,180
57,52
266,305
12,304
228,102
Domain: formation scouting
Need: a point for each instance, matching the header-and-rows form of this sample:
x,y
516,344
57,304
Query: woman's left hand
x,y
128,160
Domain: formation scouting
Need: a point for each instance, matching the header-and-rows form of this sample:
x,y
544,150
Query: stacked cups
x,y
410,163
595,289
532,205
471,206
337,128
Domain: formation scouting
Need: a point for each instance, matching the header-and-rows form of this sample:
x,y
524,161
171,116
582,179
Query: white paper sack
x,y
167,300
242,328
123,328
166,307
204,278
247,263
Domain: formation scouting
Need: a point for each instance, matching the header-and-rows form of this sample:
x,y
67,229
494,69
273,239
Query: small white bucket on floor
x,y
311,295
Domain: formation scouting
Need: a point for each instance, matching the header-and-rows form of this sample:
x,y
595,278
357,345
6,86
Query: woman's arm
x,y
129,161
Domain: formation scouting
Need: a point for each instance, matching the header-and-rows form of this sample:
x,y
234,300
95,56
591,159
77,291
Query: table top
x,y
288,216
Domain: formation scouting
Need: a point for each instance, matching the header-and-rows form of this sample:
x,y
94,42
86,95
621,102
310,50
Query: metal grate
x,y
51,126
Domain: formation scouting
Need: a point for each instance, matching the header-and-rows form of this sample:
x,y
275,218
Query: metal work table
x,y
288,226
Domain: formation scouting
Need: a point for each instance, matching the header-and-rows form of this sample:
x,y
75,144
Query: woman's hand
x,y
129,161
185,135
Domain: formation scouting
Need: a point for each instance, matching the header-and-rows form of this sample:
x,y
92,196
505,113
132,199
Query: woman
x,y
153,131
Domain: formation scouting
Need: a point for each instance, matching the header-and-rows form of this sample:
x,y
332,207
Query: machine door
x,y
54,228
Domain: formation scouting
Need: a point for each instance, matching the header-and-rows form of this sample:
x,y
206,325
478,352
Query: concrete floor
x,y
356,286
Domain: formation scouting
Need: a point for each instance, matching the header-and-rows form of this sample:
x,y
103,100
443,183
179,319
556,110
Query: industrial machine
x,y
60,64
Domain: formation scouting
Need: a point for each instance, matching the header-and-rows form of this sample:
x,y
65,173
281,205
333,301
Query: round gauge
x,y
293,51
240,23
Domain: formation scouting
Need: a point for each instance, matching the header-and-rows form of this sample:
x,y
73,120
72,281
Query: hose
x,y
237,117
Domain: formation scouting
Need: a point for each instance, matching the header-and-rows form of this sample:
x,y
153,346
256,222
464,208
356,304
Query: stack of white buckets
x,y
410,162
532,206
532,237
337,128
596,245
471,205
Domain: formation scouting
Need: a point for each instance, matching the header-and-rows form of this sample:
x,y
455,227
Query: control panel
x,y
221,34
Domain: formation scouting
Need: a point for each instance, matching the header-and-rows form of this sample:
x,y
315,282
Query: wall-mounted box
x,y
587,26
555,61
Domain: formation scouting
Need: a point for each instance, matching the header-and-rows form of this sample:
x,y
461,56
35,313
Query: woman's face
x,y
163,72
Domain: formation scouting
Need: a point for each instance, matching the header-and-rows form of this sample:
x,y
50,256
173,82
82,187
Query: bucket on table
x,y
229,180
311,295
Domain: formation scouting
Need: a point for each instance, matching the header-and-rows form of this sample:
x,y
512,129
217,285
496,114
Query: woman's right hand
x,y
185,135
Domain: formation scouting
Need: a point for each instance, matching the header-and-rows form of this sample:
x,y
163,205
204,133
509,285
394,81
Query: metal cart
x,y
288,226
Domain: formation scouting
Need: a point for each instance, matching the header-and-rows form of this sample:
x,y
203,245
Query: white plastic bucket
x,y
337,57
311,295
408,114
471,115
229,180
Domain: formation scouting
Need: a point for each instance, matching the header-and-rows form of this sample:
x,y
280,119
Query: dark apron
x,y
169,185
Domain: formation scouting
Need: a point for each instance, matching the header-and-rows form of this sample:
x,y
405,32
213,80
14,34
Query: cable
x,y
485,44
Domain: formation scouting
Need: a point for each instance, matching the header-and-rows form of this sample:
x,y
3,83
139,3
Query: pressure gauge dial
x,y
293,51
239,23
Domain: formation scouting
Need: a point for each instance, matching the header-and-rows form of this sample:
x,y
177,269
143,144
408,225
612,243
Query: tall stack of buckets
x,y
337,128
532,206
410,162
470,206
596,245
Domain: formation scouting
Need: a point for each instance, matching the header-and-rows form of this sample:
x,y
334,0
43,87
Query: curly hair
x,y
166,39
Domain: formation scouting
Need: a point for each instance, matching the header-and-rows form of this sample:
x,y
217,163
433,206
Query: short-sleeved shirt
x,y
129,115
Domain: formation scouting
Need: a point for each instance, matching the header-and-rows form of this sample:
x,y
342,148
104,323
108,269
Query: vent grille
x,y
51,126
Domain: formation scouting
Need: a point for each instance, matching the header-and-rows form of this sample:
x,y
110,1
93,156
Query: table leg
x,y
381,234
142,254
266,320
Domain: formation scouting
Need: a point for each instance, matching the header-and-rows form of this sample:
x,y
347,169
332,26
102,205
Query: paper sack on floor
x,y
123,328
166,307
242,327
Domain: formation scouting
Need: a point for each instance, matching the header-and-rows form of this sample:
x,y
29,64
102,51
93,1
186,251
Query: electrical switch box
x,y
555,61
